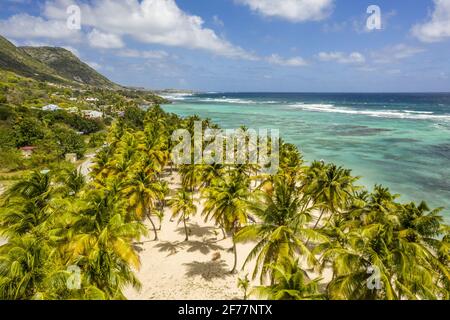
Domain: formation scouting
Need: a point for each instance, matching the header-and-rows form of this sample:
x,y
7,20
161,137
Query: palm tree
x,y
396,244
37,186
156,148
330,186
73,181
210,172
27,206
101,166
291,161
190,177
102,246
23,263
290,283
143,191
281,230
226,203
244,285
183,207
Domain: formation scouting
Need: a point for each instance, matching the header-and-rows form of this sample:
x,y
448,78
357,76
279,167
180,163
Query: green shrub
x,y
7,138
10,159
97,140
28,131
69,141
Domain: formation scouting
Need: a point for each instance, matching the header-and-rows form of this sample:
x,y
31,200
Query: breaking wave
x,y
394,114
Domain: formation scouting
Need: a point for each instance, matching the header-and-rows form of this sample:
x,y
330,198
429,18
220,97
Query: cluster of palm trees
x,y
314,219
304,220
74,237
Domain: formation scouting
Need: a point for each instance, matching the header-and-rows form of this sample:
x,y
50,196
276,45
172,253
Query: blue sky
x,y
247,45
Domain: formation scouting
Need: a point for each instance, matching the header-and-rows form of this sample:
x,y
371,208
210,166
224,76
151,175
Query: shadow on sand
x,y
171,247
204,247
207,270
198,231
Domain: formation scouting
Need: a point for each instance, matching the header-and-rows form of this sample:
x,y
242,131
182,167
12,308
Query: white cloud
x,y
438,27
290,62
149,21
24,26
292,10
340,57
395,53
98,39
146,54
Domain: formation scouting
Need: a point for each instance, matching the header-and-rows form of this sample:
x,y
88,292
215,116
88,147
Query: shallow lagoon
x,y
398,140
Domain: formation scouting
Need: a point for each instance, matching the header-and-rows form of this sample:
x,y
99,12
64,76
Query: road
x,y
85,167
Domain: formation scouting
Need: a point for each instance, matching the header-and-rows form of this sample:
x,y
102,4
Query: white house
x,y
51,107
91,114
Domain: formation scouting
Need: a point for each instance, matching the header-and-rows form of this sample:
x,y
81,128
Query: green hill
x,y
18,61
68,66
50,64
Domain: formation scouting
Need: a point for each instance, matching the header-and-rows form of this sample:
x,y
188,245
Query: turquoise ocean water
x,y
399,140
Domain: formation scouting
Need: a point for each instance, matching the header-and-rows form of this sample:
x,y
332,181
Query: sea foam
x,y
394,114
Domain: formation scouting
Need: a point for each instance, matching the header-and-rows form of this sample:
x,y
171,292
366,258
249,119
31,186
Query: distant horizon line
x,y
298,92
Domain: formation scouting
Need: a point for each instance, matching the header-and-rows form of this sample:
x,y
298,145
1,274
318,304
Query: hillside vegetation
x,y
69,67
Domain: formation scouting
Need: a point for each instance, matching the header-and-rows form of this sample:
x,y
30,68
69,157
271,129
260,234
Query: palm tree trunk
x,y
153,225
235,257
322,211
320,218
185,229
223,232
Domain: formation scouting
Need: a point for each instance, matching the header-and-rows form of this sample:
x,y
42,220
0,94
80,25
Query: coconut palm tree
x,y
396,245
142,192
190,177
27,206
244,285
281,230
102,246
155,144
210,172
37,186
73,180
290,283
291,162
23,263
226,204
330,186
101,167
183,207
